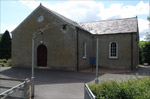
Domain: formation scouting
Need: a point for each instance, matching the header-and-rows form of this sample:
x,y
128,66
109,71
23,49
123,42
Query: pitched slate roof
x,y
126,25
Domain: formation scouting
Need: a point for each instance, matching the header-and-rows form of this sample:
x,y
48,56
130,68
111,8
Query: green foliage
x,y
144,52
141,46
5,46
5,63
148,18
147,38
0,37
3,60
8,63
132,89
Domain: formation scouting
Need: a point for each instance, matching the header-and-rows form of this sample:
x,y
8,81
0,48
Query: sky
x,y
13,12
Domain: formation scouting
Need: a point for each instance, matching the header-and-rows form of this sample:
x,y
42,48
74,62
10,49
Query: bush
x,y
8,63
132,89
5,63
3,60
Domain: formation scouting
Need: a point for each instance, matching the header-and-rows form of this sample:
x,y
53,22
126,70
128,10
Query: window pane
x,y
113,49
84,49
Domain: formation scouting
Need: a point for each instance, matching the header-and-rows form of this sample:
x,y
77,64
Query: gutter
x,y
131,51
77,50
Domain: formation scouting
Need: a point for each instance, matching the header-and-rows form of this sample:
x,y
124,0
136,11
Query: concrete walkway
x,y
52,84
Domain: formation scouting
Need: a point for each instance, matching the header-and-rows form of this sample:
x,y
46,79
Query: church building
x,y
60,43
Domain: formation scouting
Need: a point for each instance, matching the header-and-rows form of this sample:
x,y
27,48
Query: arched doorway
x,y
42,55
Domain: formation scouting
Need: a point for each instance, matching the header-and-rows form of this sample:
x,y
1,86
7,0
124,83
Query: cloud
x,y
81,11
3,28
143,25
143,28
32,4
76,10
9,27
124,11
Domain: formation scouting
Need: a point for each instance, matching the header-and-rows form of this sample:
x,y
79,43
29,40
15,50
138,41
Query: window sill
x,y
113,58
84,58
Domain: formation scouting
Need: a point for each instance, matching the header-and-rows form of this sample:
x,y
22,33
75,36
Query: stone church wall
x,y
123,61
89,39
60,46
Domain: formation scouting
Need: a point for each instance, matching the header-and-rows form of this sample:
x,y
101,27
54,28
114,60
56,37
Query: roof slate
x,y
126,25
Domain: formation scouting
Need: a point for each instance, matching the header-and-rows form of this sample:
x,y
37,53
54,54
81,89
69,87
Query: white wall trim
x,y
113,57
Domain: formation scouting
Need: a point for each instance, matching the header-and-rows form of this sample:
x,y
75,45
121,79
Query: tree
x,y
145,50
146,53
148,18
147,38
5,46
0,37
141,45
148,34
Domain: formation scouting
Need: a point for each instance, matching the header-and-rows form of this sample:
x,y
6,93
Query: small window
x,y
113,50
84,50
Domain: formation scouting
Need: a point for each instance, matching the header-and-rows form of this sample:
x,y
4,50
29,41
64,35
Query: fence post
x,y
28,89
25,89
84,90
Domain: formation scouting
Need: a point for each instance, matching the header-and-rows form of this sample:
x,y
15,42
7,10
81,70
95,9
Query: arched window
x,y
113,50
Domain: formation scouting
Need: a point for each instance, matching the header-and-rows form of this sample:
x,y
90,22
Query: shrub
x,y
8,63
3,60
131,89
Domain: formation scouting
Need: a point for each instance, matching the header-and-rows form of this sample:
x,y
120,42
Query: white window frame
x,y
84,49
116,50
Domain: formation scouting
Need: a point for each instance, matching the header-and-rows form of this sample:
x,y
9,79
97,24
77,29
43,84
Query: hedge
x,y
131,89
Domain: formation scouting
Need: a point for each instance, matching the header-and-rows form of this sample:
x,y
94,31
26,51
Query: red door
x,y
42,55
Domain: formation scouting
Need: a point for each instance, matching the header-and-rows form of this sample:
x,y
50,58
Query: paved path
x,y
52,84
